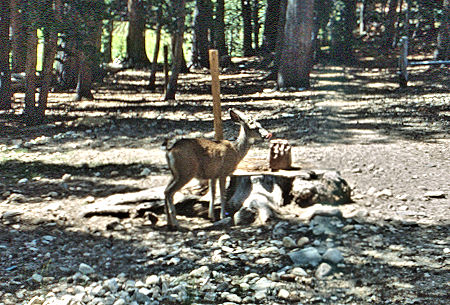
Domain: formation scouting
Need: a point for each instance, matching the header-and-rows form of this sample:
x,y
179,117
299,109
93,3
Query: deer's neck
x,y
242,143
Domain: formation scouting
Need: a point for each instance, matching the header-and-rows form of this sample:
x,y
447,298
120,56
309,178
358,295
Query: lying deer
x,y
205,159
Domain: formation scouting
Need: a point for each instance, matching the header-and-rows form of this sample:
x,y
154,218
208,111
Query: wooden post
x,y
403,62
166,67
215,90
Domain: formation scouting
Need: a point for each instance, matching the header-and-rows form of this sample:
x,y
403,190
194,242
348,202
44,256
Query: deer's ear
x,y
234,116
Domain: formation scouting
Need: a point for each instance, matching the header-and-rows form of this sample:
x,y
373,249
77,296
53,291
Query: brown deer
x,y
206,159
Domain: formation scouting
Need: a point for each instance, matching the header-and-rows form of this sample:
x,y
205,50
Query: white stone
x,y
283,293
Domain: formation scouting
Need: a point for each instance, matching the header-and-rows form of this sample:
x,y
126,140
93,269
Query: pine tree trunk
x,y
136,55
391,19
296,54
256,25
84,83
177,50
50,46
200,36
151,84
18,36
30,112
271,26
443,40
219,29
5,46
247,21
342,26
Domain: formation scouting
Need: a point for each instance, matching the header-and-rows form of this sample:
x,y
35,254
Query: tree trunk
x,y
200,36
391,19
247,21
50,46
107,51
5,46
296,53
343,24
256,25
271,26
136,55
30,111
177,50
443,40
219,29
151,84
84,83
18,36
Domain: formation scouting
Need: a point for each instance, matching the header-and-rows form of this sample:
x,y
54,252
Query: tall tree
x,y
5,72
200,35
219,29
180,13
246,9
296,53
343,22
136,55
391,19
18,35
270,26
443,40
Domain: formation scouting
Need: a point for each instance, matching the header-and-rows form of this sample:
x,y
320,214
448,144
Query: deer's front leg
x,y
223,197
212,190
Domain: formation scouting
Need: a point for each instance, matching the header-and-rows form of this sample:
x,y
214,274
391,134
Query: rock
x,y
306,257
199,272
333,256
112,285
288,242
85,269
37,278
260,295
323,270
262,284
283,293
153,280
37,300
11,214
231,297
302,241
22,181
383,193
325,225
298,271
435,194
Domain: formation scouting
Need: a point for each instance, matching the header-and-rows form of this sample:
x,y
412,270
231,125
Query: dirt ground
x,y
392,146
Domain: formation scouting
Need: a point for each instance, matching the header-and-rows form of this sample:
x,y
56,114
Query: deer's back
x,y
205,159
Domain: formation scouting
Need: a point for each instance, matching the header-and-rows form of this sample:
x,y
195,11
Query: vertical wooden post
x,y
403,62
215,90
166,67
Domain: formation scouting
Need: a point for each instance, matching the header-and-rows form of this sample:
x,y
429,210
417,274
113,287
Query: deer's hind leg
x,y
177,181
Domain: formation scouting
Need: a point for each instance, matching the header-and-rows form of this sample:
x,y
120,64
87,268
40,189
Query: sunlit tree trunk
x,y
443,40
247,30
179,6
5,46
200,35
136,55
296,53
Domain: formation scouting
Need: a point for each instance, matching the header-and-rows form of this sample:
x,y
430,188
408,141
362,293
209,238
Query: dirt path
x,y
392,146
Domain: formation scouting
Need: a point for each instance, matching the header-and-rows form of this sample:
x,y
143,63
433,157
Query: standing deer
x,y
206,159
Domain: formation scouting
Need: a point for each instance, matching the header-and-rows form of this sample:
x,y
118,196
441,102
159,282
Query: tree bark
x,y
177,50
443,40
256,24
296,54
5,46
343,24
391,19
18,36
84,83
30,112
247,21
219,29
271,26
200,36
50,46
151,83
136,55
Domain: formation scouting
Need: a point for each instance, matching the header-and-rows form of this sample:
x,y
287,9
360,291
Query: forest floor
x,y
392,145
